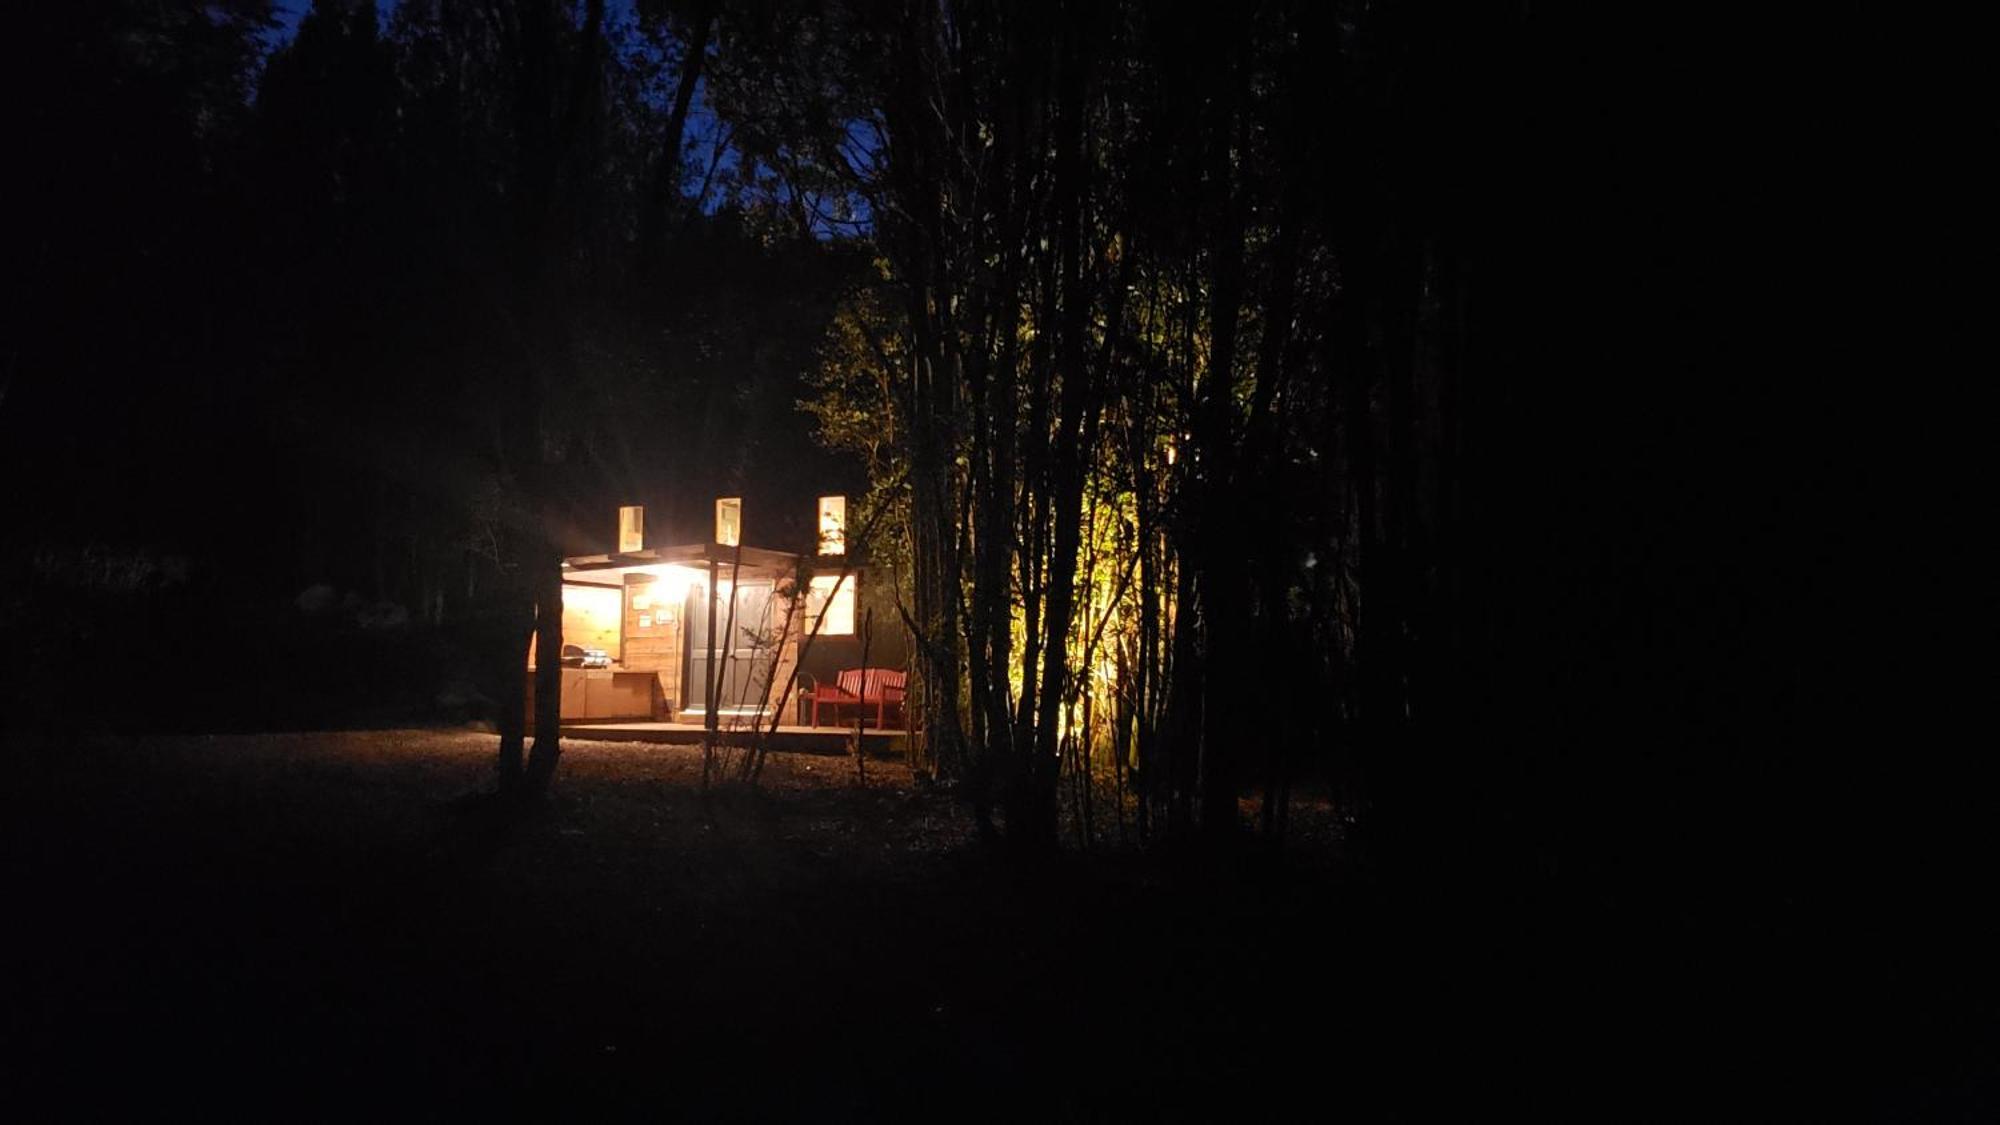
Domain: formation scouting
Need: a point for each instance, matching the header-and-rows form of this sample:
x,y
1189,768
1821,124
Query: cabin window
x,y
833,597
729,521
833,525
631,529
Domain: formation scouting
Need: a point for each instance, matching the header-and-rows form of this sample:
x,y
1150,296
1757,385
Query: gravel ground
x,y
313,923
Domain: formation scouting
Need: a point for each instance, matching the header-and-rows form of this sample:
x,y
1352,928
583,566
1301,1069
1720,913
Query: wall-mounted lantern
x,y
729,520
833,525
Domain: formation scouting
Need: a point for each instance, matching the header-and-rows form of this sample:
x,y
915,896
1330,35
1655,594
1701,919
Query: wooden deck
x,y
812,740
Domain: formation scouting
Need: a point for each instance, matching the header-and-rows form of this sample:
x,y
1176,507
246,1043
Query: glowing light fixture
x,y
669,586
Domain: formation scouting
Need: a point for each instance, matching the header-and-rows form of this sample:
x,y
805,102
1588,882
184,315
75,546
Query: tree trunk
x,y
1222,537
1065,501
542,758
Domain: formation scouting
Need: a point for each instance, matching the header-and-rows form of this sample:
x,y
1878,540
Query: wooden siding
x,y
655,646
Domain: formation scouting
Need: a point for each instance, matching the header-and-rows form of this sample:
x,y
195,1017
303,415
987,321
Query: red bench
x,y
880,688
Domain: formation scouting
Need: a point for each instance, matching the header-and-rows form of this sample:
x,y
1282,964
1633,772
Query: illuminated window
x,y
631,529
833,525
729,520
837,604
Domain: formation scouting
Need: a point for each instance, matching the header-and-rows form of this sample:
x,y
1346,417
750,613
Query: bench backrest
x,y
873,683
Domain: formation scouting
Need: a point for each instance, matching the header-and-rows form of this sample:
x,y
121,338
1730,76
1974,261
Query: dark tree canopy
x,y
1304,394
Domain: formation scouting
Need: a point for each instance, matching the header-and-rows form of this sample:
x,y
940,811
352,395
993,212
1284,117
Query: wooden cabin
x,y
676,622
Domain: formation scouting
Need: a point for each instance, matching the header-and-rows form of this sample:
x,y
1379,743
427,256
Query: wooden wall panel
x,y
653,639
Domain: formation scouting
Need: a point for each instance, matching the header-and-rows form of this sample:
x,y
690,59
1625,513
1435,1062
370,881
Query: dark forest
x,y
1364,570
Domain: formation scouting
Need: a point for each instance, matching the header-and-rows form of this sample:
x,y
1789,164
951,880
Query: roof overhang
x,y
612,569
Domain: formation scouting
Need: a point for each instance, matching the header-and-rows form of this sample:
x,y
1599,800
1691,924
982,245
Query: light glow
x,y
669,585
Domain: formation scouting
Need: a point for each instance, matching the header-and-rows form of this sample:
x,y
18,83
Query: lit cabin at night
x,y
650,631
